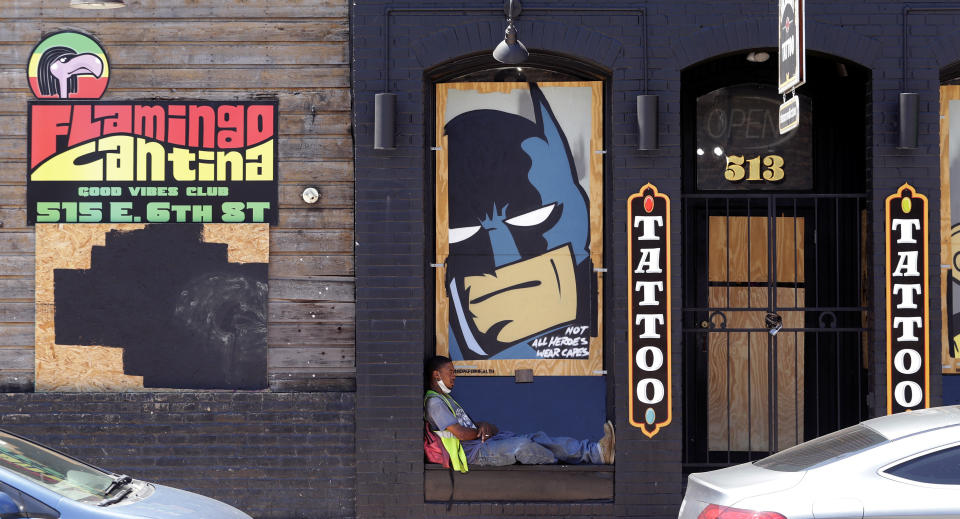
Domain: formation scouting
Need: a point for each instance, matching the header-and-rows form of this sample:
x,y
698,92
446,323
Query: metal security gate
x,y
774,322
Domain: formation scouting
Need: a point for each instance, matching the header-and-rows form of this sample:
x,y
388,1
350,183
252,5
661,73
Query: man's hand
x,y
483,431
486,430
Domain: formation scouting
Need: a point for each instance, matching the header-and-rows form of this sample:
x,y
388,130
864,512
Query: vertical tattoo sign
x,y
908,306
648,248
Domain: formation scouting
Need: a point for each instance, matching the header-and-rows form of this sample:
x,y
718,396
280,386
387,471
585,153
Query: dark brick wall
x,y
394,231
273,455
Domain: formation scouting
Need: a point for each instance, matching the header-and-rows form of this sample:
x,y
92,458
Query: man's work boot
x,y
607,444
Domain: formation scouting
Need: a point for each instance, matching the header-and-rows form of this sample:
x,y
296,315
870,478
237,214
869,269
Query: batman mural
x,y
519,278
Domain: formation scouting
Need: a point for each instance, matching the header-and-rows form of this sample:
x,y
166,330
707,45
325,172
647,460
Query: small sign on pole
x,y
792,63
789,117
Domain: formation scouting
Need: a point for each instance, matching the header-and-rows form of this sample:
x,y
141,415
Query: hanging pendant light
x,y
511,51
96,4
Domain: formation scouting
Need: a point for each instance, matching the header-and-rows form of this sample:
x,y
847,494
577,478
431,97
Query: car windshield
x,y
830,447
61,474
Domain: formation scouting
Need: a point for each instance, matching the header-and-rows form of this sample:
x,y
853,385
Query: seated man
x,y
484,445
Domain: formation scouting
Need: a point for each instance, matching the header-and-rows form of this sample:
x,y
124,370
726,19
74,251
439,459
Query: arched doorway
x,y
775,238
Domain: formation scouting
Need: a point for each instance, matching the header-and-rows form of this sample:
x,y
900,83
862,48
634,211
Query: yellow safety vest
x,y
458,458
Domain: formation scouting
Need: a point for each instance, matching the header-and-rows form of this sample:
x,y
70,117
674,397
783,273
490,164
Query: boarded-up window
x,y
519,227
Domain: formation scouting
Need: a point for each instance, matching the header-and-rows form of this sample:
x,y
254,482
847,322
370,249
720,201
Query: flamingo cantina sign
x,y
151,161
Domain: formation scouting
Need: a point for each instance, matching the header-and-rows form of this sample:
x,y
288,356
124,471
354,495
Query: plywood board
x,y
739,386
90,367
739,243
594,165
738,374
442,226
596,208
69,367
245,243
790,250
950,276
738,249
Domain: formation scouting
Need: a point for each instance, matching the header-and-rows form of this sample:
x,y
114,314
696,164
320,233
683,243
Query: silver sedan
x,y
903,466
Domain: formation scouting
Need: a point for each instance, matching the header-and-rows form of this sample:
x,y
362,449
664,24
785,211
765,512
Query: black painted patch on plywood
x,y
185,317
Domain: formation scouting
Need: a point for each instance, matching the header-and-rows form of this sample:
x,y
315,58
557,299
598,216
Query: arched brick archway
x,y
760,33
946,50
837,137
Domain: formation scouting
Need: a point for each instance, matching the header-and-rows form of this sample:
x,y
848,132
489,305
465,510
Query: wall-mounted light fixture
x,y
311,195
96,4
384,121
510,50
648,121
758,56
909,120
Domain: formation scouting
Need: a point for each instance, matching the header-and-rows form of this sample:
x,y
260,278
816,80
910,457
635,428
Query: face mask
x,y
443,387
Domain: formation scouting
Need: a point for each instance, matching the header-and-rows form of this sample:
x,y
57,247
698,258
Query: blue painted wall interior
x,y
559,406
951,389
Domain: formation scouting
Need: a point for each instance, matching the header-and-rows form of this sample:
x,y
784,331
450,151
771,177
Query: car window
x,y
830,447
33,507
940,468
57,472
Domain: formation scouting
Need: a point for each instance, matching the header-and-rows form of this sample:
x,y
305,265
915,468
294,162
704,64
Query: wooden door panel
x,y
790,249
738,375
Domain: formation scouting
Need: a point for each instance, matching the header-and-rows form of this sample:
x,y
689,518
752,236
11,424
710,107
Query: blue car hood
x,y
169,503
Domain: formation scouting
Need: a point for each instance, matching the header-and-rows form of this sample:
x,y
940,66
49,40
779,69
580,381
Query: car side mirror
x,y
9,508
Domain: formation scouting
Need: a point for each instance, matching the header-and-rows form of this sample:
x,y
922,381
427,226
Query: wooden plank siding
x,y
290,50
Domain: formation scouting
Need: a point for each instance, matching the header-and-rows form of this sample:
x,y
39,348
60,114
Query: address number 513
x,y
736,172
